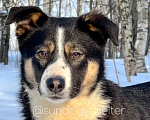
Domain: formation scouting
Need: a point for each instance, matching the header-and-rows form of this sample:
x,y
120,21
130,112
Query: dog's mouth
x,y
55,98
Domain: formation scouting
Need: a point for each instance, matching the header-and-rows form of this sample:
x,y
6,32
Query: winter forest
x,y
132,17
126,64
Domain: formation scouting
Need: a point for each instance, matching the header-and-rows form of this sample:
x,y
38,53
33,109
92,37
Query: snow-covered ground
x,y
9,84
111,74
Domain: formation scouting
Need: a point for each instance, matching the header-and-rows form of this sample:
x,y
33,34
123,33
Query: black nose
x,y
56,84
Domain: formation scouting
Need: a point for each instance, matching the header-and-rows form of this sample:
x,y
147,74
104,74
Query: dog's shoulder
x,y
139,91
132,98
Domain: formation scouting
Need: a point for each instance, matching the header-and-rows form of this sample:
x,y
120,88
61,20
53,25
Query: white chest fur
x,y
82,107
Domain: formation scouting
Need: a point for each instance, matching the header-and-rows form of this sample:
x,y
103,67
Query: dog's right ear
x,y
96,22
27,18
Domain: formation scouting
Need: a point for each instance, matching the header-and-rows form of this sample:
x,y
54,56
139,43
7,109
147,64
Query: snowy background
x,y
9,83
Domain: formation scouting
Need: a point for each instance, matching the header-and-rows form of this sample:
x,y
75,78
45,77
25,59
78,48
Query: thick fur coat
x,y
63,70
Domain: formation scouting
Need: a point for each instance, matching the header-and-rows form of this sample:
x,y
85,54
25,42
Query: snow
x,y
4,11
9,82
111,75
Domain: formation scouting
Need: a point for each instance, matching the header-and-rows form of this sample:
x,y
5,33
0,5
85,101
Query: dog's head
x,y
61,57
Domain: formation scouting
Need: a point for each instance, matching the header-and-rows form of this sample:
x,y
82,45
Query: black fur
x,y
25,102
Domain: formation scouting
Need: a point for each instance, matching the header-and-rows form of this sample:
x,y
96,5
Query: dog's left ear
x,y
97,23
27,18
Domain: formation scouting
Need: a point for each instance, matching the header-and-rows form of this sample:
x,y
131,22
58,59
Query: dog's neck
x,y
83,106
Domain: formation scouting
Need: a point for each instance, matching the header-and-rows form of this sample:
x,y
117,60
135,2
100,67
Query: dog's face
x,y
61,57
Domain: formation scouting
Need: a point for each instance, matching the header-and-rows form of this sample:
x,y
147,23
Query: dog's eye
x,y
75,55
42,54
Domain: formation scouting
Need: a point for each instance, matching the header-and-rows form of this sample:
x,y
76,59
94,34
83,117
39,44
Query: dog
x,y
63,70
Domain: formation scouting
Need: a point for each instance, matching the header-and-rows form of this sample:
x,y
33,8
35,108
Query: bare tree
x,y
5,34
79,7
91,4
110,45
37,2
129,55
30,2
134,20
140,43
2,42
121,32
60,2
48,7
148,35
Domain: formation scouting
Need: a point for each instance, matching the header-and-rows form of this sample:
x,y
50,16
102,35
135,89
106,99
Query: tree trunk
x,y
37,2
129,58
2,44
30,2
60,8
66,8
3,40
121,31
140,44
121,47
148,35
109,50
91,3
110,46
95,4
48,7
5,34
70,9
116,53
7,45
79,7
134,21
